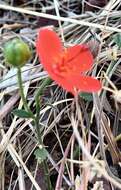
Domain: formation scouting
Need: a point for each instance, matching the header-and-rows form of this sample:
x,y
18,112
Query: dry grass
x,y
82,137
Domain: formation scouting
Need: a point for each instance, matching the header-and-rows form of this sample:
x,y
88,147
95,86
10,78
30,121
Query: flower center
x,y
62,66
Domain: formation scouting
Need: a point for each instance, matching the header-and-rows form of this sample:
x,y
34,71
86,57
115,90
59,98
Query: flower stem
x,y
46,82
44,163
36,118
22,92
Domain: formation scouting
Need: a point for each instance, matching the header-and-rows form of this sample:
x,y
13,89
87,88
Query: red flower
x,y
66,65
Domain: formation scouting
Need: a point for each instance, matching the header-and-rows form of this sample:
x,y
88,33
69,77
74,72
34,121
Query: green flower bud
x,y
16,52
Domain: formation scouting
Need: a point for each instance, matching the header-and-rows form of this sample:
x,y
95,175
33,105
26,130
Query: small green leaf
x,y
86,96
22,113
41,154
117,40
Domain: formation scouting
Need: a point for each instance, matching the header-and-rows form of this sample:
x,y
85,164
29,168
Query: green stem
x,y
44,163
46,82
36,118
22,92
37,101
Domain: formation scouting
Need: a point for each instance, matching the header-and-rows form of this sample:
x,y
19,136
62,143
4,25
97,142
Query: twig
x,y
79,22
9,105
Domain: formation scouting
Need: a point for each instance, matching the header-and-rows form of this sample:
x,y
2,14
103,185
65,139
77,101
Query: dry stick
x,y
58,15
102,126
9,105
107,131
70,20
92,161
59,179
71,164
12,150
85,172
18,161
11,81
57,169
111,143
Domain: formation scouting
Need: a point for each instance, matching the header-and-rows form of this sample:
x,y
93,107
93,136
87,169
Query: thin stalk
x,y
46,82
44,163
37,101
22,92
36,118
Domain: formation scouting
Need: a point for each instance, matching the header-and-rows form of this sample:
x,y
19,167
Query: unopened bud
x,y
17,52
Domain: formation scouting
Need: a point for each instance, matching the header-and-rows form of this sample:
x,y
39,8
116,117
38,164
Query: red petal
x,y
86,84
80,57
80,83
48,46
